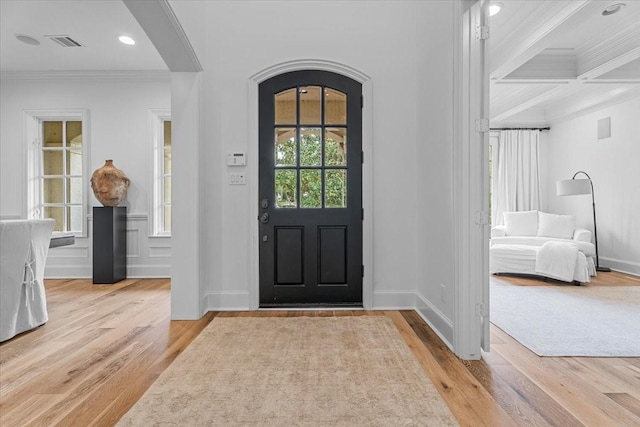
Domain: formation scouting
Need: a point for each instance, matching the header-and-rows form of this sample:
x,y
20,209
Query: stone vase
x,y
109,184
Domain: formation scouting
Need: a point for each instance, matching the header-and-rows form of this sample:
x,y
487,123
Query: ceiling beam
x,y
611,64
165,32
593,103
518,105
506,59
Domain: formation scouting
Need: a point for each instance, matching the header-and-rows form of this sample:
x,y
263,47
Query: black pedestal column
x,y
109,244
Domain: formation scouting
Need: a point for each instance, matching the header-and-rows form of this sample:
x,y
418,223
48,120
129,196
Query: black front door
x,y
310,171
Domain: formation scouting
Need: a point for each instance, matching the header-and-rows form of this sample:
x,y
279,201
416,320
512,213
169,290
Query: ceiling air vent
x,y
64,41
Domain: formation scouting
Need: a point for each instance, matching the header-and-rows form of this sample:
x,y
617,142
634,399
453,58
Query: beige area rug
x,y
300,371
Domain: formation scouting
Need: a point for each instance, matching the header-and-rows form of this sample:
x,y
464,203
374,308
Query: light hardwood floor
x,y
104,345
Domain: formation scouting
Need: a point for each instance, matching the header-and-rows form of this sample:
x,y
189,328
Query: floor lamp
x,y
573,187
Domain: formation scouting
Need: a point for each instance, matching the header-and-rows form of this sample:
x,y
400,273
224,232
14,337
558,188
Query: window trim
x,y
33,120
157,117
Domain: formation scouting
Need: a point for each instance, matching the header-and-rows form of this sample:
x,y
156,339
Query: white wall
x,y
405,48
434,219
614,166
119,130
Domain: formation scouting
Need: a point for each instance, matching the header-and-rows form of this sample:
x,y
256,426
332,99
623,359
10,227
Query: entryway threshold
x,y
314,308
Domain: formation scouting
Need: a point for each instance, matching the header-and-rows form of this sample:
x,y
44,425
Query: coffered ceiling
x,y
553,60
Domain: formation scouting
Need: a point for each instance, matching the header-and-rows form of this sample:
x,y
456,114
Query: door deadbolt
x,y
264,203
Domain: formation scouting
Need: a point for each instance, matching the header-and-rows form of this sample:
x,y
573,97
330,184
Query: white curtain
x,y
516,184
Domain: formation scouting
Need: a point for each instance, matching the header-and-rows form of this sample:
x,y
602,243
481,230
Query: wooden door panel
x,y
332,255
289,252
310,185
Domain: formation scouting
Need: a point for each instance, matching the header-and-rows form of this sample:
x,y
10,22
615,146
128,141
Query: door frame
x,y
470,182
367,172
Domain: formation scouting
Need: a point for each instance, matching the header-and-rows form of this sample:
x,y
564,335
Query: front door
x,y
310,189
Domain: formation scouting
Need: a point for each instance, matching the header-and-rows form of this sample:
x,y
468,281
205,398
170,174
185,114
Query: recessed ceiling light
x,y
126,40
494,8
27,40
614,8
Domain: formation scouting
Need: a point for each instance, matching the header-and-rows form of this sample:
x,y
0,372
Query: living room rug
x,y
566,320
300,371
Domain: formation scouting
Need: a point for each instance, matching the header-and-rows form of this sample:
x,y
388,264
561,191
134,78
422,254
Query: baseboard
x,y
621,265
227,301
86,271
394,300
183,316
438,322
68,272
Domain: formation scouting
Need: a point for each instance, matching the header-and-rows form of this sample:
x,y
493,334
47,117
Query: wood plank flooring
x,y
104,345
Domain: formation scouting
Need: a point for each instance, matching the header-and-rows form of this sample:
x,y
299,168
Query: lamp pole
x,y
595,227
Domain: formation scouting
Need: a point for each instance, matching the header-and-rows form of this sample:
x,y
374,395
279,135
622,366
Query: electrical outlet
x,y
442,292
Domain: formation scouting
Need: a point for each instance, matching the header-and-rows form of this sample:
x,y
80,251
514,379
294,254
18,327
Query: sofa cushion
x,y
523,223
559,226
586,247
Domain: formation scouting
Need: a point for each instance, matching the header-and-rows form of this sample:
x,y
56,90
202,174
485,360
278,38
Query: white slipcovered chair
x,y
23,252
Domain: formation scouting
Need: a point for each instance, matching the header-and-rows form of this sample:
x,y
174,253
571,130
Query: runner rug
x,y
300,371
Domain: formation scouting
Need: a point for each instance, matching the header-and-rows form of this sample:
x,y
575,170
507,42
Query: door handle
x,y
264,218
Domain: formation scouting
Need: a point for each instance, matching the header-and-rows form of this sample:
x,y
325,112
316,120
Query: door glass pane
x,y
167,189
335,188
53,190
335,107
286,186
285,146
167,133
52,162
57,214
310,102
167,218
285,106
310,147
167,160
74,190
310,188
74,161
74,134
52,134
74,213
335,147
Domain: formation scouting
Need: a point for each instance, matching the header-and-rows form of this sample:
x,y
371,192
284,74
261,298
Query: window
x,y
161,210
310,142
58,168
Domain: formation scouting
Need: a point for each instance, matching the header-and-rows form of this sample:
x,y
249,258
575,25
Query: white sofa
x,y
542,244
23,252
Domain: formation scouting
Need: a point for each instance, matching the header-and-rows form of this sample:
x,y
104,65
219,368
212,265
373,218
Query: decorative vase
x,y
109,184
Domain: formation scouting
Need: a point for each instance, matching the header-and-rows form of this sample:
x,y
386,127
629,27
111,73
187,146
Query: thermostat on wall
x,y
236,159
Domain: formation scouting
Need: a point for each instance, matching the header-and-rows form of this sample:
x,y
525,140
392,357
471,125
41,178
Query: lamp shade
x,y
572,187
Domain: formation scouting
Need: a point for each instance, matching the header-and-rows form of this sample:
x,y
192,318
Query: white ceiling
x,y
93,23
553,60
549,59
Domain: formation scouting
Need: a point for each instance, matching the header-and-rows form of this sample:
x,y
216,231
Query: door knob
x,y
264,218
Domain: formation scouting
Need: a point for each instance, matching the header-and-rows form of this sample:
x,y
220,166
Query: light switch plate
x,y
237,179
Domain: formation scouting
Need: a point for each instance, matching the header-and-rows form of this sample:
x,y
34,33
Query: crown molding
x,y
87,75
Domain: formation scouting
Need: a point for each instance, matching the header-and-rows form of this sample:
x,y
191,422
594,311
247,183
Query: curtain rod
x,y
547,128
